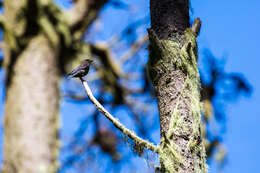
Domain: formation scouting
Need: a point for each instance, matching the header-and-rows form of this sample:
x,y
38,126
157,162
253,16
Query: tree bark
x,y
32,111
173,70
31,118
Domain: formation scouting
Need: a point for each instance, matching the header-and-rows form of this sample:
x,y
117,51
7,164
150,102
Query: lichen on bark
x,y
172,67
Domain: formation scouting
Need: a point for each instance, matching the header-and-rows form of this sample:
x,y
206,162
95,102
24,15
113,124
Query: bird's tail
x,y
68,76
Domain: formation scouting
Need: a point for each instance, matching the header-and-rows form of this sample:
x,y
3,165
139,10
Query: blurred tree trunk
x,y
32,98
39,39
32,111
173,70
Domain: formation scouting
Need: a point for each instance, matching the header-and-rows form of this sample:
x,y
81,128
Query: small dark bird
x,y
81,70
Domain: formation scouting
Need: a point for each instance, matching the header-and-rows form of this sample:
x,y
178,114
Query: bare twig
x,y
2,45
2,21
117,124
83,13
196,26
49,30
78,12
104,53
134,49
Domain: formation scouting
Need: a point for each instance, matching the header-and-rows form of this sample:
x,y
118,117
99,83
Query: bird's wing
x,y
79,68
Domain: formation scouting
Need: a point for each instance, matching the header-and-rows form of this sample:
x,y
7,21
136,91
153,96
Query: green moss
x,y
167,55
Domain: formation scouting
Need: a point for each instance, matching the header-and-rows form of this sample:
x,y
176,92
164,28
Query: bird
x,y
81,70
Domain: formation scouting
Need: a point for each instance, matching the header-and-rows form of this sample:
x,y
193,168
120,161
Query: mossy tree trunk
x,y
173,70
39,39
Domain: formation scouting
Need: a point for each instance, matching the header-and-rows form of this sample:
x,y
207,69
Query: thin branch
x,y
75,97
104,53
83,13
116,122
2,45
2,21
78,12
134,49
49,30
196,26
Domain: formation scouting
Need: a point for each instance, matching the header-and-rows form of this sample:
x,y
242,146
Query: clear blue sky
x,y
230,29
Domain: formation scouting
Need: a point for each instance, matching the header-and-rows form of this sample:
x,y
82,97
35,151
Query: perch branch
x,y
116,122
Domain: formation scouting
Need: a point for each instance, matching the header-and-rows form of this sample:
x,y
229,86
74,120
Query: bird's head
x,y
87,61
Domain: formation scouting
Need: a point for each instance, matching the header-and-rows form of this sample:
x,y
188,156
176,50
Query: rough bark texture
x,y
31,112
173,70
169,18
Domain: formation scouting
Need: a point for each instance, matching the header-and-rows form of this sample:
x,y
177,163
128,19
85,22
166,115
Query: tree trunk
x,y
31,111
172,67
31,119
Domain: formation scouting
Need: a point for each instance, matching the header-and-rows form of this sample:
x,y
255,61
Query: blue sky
x,y
230,29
